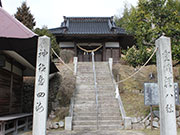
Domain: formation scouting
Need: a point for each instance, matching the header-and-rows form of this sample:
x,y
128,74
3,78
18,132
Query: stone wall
x,y
139,123
28,94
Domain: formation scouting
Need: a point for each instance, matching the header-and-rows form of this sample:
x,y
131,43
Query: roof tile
x,y
87,25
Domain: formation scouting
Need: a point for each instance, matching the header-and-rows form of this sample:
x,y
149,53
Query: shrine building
x,y
98,34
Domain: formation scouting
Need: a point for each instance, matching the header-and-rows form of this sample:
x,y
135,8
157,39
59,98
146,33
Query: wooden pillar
x,y
75,49
166,87
104,51
111,53
3,130
22,93
120,49
11,88
41,86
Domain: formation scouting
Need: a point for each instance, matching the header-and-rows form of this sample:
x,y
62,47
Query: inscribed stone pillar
x,y
41,86
166,87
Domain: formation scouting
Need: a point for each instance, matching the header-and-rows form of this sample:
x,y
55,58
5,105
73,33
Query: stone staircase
x,y
85,116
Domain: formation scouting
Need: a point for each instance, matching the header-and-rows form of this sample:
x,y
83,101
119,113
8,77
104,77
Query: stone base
x,y
127,123
68,123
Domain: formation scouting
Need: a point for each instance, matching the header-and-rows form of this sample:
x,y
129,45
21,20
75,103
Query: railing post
x,y
117,91
68,123
110,63
75,65
118,97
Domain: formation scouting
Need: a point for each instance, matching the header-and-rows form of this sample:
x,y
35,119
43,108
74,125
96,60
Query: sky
x,y
50,12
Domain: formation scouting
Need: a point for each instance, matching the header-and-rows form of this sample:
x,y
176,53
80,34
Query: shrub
x,y
66,55
137,57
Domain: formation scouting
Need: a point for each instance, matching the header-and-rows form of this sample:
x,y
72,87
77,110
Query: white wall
x,y
112,44
66,44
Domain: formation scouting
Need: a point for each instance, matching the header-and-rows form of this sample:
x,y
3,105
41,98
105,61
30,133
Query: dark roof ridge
x,y
85,17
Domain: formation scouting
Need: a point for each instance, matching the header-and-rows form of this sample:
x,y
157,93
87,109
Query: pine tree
x,y
24,15
0,3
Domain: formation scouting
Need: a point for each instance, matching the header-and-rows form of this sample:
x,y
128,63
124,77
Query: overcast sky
x,y
51,12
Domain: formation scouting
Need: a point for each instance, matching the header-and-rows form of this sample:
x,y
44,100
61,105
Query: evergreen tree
x,y
151,19
24,15
0,4
54,45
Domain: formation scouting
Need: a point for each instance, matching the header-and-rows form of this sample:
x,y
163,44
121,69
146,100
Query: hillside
x,y
132,90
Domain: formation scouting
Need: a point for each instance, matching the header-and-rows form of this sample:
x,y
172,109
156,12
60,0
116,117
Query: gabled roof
x,y
12,28
88,26
14,36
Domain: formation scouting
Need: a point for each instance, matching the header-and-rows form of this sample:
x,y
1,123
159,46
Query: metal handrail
x,y
96,90
72,98
71,111
118,97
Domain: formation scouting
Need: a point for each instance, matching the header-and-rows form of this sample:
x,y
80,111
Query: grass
x,y
134,104
156,132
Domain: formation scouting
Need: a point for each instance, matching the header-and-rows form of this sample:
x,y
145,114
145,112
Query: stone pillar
x,y
110,63
75,65
41,86
127,123
68,123
166,87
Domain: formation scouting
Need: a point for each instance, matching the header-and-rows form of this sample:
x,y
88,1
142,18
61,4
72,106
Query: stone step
x,y
90,62
90,73
86,68
100,98
100,122
106,92
90,101
111,127
100,95
100,105
91,78
93,91
91,87
94,118
113,101
100,90
85,127
99,82
94,114
94,127
93,109
85,104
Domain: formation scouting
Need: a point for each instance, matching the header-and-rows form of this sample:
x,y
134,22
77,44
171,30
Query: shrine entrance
x,y
84,53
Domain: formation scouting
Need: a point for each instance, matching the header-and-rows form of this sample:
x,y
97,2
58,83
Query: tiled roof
x,y
12,28
88,25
